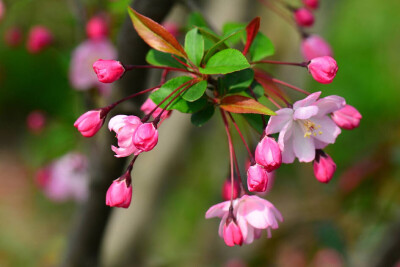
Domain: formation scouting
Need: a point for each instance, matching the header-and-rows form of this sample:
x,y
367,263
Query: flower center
x,y
311,129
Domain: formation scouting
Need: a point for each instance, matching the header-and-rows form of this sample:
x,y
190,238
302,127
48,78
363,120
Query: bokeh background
x,y
352,221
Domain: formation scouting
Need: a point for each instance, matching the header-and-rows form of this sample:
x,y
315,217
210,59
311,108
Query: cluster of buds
x,y
296,129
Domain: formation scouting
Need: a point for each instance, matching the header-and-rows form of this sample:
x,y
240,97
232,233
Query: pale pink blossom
x,y
227,189
119,194
89,123
257,178
39,38
124,127
323,69
81,73
36,121
312,4
97,27
145,137
315,46
304,17
268,154
65,178
324,167
306,126
252,214
347,118
108,71
148,106
13,36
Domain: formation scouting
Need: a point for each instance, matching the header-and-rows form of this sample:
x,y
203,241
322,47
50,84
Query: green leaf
x,y
257,89
194,46
255,121
226,61
196,20
195,92
158,58
261,47
201,117
231,27
238,81
243,104
179,103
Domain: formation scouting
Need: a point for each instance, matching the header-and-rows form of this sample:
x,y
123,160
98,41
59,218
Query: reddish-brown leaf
x,y
270,88
155,35
252,30
243,104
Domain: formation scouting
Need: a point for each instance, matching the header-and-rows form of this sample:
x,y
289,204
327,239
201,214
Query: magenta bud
x,y
304,17
257,178
324,167
13,37
323,69
227,189
232,233
146,137
315,46
38,39
97,28
268,154
172,28
89,123
108,71
311,4
36,121
347,118
119,194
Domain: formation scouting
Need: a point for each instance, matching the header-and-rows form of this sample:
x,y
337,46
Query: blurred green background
x,y
352,215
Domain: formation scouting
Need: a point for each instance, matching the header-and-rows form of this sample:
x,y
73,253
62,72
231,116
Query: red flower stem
x,y
164,76
242,137
302,64
146,118
180,61
289,85
231,151
131,67
273,101
130,166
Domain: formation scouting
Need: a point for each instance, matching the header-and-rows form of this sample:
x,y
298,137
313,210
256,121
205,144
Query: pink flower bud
x,y
324,167
38,39
108,71
172,28
227,189
304,17
148,107
36,121
119,194
312,4
146,137
13,37
315,46
268,154
257,178
347,118
97,28
232,233
323,69
89,123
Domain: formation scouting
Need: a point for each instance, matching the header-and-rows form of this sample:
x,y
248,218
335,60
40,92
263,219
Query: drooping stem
x,y
273,101
231,151
242,137
290,86
302,64
131,67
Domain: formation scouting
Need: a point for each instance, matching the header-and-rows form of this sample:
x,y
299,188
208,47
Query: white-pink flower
x,y
306,126
81,73
252,213
124,127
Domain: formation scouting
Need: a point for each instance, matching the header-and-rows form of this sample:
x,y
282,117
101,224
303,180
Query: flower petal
x,y
218,210
277,122
329,130
286,144
330,104
303,147
304,113
309,100
116,122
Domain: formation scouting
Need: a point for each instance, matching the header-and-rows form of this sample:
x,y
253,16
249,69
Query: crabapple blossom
x,y
108,71
257,178
145,137
312,4
89,123
39,38
252,213
148,106
315,46
97,27
268,154
227,189
81,73
324,167
347,118
323,69
306,126
124,127
119,194
304,17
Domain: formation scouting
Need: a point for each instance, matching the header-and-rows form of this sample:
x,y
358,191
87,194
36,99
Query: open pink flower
x,y
124,127
306,126
252,213
81,73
